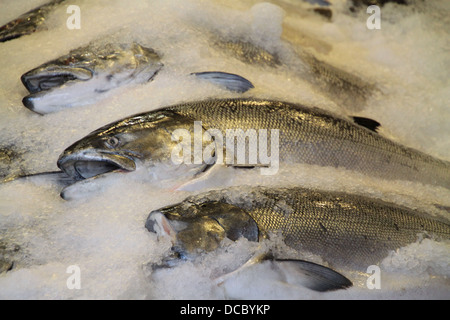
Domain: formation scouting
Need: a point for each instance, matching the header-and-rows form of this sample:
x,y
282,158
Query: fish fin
x,y
215,176
311,275
257,258
367,123
322,3
296,272
324,12
245,166
229,81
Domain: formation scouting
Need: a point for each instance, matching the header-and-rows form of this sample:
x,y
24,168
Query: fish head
x,y
199,227
142,141
85,73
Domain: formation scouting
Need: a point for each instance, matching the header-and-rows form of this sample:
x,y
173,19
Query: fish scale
x,y
345,230
306,135
312,136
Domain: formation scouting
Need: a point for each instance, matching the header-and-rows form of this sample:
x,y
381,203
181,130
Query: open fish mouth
x,y
90,166
38,80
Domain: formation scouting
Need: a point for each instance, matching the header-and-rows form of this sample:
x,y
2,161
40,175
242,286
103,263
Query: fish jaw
x,y
91,163
51,76
52,86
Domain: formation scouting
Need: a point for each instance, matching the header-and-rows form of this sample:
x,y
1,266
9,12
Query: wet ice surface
x,y
103,231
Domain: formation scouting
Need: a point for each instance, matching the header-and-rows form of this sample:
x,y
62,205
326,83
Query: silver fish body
x,y
85,73
306,135
347,231
340,86
248,52
27,23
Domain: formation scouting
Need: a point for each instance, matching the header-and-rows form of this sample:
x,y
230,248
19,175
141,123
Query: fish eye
x,y
112,142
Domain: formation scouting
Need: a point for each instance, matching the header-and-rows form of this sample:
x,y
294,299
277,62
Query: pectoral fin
x,y
215,176
215,173
297,272
229,81
311,275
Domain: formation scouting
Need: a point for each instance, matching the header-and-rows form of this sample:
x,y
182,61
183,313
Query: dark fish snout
x,y
33,102
28,102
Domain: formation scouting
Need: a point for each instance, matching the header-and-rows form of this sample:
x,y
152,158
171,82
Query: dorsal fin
x,y
367,123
